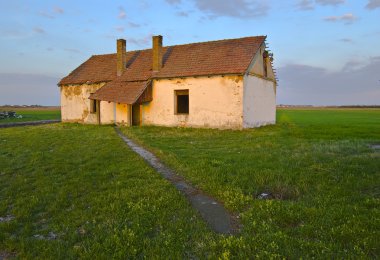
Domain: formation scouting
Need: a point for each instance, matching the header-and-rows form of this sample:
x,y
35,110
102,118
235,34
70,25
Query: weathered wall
x,y
106,112
258,66
75,105
214,102
122,114
259,102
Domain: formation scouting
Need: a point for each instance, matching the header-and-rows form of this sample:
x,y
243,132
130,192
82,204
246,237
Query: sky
x,y
326,52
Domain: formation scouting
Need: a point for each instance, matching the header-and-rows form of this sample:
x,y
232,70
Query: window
x,y
182,101
93,106
265,63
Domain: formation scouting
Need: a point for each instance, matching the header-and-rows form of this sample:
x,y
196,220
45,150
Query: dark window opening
x,y
265,63
93,106
182,100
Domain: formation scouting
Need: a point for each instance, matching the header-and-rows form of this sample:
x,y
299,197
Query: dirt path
x,y
217,217
40,122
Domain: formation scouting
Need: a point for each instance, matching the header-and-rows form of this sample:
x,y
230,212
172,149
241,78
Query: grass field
x,y
78,191
32,114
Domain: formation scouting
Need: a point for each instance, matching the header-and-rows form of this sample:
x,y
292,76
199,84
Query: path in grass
x,y
212,211
29,123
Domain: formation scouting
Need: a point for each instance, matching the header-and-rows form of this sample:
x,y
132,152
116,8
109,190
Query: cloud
x,y
120,28
50,15
28,89
346,18
58,10
141,42
373,4
39,30
357,83
347,40
233,8
46,15
133,25
182,14
122,13
305,5
330,2
173,2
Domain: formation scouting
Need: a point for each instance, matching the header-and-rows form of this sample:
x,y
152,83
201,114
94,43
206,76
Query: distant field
x,y
77,191
32,114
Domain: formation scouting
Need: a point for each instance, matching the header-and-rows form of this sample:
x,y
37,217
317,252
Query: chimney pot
x,y
157,53
121,56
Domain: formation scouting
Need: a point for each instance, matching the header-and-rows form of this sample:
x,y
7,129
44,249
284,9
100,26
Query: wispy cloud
x,y
141,42
182,14
330,2
58,10
39,30
122,14
50,14
173,2
233,8
373,4
305,5
347,40
46,15
134,25
346,18
120,28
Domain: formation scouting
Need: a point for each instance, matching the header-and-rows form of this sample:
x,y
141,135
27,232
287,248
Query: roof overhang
x,y
125,92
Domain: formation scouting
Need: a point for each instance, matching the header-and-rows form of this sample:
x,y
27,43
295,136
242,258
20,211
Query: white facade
x,y
214,102
259,102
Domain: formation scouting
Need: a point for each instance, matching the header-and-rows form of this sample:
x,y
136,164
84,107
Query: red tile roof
x,y
206,58
121,91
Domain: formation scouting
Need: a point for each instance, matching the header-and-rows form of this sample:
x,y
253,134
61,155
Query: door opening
x,y
136,120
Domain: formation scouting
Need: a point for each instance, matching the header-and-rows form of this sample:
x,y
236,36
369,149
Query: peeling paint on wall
x,y
75,105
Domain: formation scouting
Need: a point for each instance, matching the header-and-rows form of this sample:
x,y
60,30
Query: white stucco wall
x,y
214,102
259,102
75,105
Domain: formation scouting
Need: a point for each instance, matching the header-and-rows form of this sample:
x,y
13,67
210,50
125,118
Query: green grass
x,y
83,184
318,164
32,115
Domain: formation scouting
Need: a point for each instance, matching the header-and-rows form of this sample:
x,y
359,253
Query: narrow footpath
x,y
26,123
216,216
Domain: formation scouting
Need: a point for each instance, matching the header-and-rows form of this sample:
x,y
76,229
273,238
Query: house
x,y
216,84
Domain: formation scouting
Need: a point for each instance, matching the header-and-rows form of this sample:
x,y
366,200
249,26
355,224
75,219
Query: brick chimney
x,y
157,53
121,56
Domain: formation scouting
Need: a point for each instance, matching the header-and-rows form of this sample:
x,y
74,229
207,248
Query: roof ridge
x,y
186,44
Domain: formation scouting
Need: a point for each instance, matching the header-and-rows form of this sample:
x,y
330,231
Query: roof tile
x,y
196,59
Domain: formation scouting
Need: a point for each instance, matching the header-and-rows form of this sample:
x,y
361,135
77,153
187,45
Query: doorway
x,y
136,118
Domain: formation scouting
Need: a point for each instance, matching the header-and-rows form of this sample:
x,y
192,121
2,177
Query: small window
x,y
265,63
93,107
182,101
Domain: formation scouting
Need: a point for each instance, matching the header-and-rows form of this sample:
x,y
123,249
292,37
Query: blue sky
x,y
327,52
